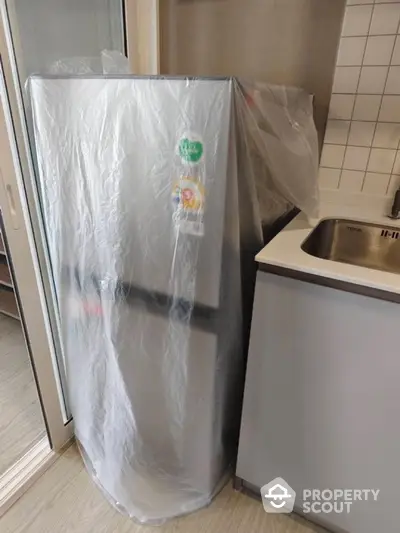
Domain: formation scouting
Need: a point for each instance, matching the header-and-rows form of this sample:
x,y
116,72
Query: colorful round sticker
x,y
188,193
190,148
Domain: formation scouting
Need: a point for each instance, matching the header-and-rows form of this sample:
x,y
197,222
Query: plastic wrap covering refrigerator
x,y
145,224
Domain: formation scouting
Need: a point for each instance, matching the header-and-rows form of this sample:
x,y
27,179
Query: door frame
x,y
142,29
27,275
18,240
21,184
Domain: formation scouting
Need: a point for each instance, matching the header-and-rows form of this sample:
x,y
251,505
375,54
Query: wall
x,y
280,41
361,150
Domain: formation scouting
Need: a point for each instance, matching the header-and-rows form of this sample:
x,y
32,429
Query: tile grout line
x,y
370,34
360,66
360,120
367,94
366,146
373,2
352,110
362,35
354,103
355,96
380,107
395,157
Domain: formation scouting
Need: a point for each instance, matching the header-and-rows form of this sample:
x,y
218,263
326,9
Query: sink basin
x,y
356,243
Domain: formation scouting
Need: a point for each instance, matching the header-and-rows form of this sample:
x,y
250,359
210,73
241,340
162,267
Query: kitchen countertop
x,y
285,249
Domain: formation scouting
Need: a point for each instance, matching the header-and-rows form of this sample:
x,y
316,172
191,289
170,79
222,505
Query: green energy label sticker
x,y
191,149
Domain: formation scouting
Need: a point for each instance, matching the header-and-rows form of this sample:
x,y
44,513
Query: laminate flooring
x,y
21,421
65,500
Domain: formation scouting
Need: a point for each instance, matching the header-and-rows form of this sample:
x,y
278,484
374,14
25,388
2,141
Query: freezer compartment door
x,y
170,371
133,177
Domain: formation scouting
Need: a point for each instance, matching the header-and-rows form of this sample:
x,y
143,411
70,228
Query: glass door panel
x,y
21,419
22,298
43,35
46,32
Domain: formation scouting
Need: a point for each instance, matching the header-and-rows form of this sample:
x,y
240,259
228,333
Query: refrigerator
x,y
139,189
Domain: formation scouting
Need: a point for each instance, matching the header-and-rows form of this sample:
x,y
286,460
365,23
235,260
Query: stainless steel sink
x,y
357,243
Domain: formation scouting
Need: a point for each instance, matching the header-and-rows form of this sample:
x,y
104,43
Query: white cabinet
x,y
322,397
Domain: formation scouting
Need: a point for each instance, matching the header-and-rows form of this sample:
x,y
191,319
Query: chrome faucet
x,y
396,205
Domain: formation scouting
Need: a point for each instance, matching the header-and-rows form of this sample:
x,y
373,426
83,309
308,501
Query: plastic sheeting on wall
x,y
151,189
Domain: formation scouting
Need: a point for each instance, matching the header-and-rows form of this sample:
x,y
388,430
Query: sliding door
x,y
49,36
40,36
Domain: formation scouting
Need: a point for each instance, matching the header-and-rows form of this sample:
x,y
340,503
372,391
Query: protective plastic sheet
x,y
152,191
280,144
109,62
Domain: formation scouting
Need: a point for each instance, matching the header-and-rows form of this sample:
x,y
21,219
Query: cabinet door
x,y
321,397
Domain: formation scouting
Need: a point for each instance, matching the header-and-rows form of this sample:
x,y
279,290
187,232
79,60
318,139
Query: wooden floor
x,y
21,422
65,500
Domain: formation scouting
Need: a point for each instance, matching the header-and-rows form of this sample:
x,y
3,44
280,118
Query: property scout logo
x,y
279,497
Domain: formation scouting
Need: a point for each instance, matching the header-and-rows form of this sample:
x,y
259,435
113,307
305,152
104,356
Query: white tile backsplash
x,y
381,160
390,109
366,107
372,80
341,106
357,20
356,158
387,135
385,19
361,133
351,180
393,81
358,2
396,52
394,184
332,156
362,143
346,79
378,50
337,131
375,183
351,51
329,177
396,167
